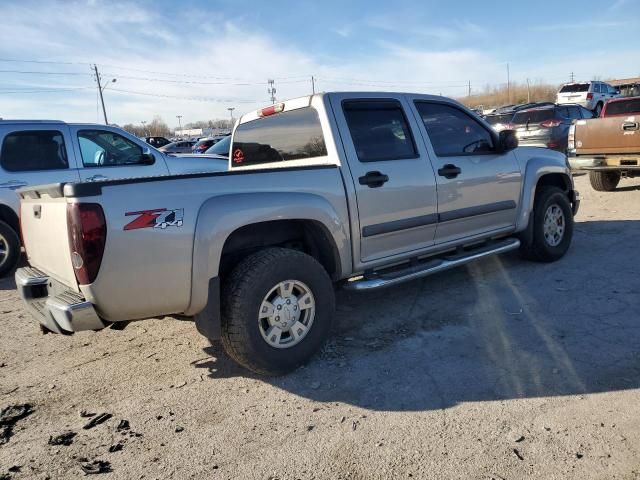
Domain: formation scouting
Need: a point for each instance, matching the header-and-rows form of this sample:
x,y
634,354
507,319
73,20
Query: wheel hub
x,y
554,225
286,314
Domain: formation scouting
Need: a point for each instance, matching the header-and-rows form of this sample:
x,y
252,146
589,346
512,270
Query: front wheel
x,y
277,308
552,226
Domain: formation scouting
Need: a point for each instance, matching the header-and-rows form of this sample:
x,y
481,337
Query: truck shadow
x,y
498,329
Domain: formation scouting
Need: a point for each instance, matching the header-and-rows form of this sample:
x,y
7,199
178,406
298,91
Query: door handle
x,y
449,171
373,179
629,126
13,184
96,178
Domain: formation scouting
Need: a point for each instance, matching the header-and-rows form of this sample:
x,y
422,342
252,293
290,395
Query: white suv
x,y
591,95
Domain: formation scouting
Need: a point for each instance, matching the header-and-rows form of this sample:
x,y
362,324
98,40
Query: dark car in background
x,y
204,144
500,118
157,141
547,125
182,146
220,148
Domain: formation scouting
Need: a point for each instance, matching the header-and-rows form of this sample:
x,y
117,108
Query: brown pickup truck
x,y
608,147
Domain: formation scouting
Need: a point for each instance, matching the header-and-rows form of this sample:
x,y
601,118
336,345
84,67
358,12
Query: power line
x,y
48,90
194,82
42,73
198,98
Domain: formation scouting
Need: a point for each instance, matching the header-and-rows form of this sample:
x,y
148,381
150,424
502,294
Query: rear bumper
x,y
575,202
579,163
53,305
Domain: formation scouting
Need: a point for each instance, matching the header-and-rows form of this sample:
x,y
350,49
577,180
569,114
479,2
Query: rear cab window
x,y
623,107
281,138
32,150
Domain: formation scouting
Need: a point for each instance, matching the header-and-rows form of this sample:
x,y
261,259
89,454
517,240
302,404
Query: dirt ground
x,y
500,370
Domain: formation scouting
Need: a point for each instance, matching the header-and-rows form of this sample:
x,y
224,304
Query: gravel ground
x,y
500,370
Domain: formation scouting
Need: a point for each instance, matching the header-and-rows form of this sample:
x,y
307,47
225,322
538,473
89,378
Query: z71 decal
x,y
157,218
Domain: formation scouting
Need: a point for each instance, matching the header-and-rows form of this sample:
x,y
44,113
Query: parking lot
x,y
503,369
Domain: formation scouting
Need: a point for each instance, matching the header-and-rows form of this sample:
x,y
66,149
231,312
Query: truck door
x,y
478,186
391,173
106,154
35,155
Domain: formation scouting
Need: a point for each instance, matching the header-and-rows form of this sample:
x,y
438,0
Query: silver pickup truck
x,y
359,190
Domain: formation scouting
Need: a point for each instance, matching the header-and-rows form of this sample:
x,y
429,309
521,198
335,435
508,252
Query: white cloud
x,y
216,54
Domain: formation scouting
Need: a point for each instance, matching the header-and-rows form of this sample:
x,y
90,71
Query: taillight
x,y
265,112
589,96
87,237
571,144
550,123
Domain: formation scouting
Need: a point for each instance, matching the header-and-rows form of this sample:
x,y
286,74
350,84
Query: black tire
x,y
604,181
535,246
598,109
242,295
10,241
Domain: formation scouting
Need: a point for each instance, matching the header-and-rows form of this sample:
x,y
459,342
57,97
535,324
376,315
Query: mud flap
x,y
208,320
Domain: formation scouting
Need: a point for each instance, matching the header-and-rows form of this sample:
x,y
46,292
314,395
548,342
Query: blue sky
x,y
197,58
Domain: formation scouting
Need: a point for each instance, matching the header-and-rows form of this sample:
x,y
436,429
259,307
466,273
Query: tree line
x,y
157,127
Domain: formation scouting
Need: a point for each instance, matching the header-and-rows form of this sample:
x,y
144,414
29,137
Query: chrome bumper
x,y
57,308
578,163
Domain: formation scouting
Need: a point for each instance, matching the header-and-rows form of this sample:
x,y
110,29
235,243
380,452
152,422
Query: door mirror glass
x,y
507,141
147,159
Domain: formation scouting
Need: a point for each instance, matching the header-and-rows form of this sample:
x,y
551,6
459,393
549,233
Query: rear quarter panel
x,y
152,271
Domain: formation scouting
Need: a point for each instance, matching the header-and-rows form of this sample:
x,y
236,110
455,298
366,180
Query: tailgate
x,y
617,135
43,220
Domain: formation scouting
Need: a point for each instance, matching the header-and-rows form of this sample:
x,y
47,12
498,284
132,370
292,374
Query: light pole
x,y
179,117
144,127
231,109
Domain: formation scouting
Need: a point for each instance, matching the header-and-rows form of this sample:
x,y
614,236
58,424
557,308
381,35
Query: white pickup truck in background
x,y
35,152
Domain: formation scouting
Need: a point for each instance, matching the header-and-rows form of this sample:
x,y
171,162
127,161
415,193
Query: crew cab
x,y
34,152
608,147
355,190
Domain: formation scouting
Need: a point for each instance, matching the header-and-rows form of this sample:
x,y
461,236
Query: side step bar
x,y
381,279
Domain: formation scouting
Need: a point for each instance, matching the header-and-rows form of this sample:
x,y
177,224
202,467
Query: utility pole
x,y
469,88
508,85
572,77
104,111
272,90
144,127
179,117
313,85
528,92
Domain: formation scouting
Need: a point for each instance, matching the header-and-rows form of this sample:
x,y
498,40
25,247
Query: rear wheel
x,y
604,181
9,249
552,227
598,109
277,308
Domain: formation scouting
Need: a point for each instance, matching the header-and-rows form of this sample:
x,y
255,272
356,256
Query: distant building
x,y
629,87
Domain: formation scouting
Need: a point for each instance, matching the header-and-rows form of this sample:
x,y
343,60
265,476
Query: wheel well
x,y
8,216
554,180
308,236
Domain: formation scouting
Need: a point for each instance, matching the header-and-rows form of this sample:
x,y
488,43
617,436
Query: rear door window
x,y
453,131
574,112
34,150
379,130
292,135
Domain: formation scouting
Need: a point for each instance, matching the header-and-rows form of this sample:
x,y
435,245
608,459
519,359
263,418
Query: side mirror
x,y
507,141
147,159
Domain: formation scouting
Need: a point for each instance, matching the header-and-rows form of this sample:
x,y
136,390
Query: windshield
x,y
533,116
623,107
575,87
222,147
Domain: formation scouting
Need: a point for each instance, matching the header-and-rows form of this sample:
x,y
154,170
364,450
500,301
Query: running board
x,y
382,279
